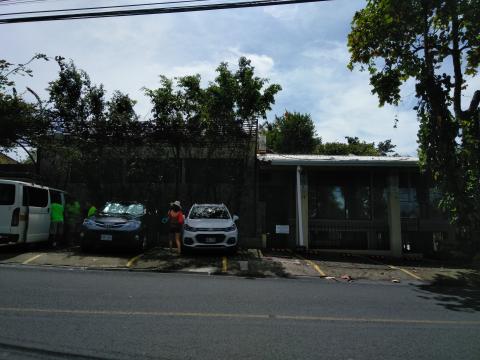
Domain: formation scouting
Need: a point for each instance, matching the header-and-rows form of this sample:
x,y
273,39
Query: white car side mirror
x,y
235,217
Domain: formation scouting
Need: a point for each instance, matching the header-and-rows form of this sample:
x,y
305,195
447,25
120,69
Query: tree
x,y
386,147
355,146
435,43
95,133
221,117
23,123
292,133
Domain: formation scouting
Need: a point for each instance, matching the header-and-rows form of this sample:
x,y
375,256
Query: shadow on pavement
x,y
170,261
99,252
461,293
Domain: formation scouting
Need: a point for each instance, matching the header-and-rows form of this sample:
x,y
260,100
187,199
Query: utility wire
x,y
103,7
159,10
21,2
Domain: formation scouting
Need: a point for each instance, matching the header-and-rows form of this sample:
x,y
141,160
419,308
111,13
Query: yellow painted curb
x,y
28,261
312,264
224,264
133,260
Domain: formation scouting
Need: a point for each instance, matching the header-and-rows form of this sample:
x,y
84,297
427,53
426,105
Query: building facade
x,y
370,205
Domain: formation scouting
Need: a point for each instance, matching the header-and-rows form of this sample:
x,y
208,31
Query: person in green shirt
x,y
91,211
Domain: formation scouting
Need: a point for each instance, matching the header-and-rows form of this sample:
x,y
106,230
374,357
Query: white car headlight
x,y
189,228
231,228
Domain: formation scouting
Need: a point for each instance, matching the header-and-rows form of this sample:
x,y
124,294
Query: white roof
x,y
11,181
334,160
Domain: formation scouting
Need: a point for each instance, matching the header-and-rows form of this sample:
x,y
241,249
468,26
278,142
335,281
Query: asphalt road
x,y
60,313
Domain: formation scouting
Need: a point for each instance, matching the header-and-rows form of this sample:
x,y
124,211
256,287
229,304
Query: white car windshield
x,y
209,212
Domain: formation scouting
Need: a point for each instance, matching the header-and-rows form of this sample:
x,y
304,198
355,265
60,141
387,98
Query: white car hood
x,y
209,223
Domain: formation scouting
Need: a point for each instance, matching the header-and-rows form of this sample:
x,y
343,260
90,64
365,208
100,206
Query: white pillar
x,y
304,188
302,208
393,210
299,208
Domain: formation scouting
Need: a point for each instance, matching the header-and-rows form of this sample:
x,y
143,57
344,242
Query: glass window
x,y
55,197
327,202
380,204
36,197
358,203
408,203
7,194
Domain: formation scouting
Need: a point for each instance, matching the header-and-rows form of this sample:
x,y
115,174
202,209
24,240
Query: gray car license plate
x,y
106,237
210,240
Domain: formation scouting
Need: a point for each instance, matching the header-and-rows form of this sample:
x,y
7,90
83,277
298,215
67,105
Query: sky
x,y
301,47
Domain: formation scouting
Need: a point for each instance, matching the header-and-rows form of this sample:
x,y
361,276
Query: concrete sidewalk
x,y
249,263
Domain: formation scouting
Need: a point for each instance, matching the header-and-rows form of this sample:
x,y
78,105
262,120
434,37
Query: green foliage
x,y
386,147
226,110
356,147
353,147
292,133
224,115
435,43
22,123
79,110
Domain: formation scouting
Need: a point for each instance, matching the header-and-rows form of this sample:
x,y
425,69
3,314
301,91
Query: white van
x,y
25,211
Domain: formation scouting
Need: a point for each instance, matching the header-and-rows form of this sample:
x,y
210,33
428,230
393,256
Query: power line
x,y
21,2
159,10
102,7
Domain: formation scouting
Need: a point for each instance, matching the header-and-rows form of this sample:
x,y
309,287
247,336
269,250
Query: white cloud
x,y
282,12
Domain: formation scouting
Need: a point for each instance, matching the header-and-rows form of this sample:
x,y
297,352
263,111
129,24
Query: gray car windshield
x,y
209,212
119,208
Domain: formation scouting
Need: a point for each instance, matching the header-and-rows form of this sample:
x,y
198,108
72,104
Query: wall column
x,y
393,214
302,207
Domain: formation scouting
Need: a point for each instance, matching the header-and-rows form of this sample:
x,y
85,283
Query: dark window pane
x,y
35,197
327,202
380,207
358,203
7,194
55,197
408,203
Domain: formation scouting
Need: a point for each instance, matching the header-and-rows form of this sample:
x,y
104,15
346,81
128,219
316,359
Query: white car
x,y
210,226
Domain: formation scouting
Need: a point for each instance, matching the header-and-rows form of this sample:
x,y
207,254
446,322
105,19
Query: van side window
x,y
7,194
55,197
35,197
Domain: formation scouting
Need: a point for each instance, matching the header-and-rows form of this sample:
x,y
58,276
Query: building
x,y
360,204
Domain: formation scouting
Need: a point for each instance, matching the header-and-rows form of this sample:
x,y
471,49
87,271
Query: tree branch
x,y
30,155
457,65
474,103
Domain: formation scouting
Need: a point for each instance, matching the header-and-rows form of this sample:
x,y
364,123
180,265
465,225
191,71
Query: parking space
x,y
351,268
246,262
